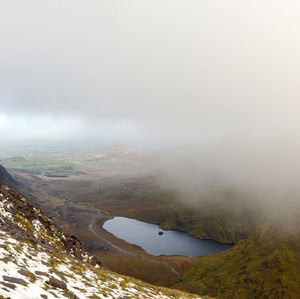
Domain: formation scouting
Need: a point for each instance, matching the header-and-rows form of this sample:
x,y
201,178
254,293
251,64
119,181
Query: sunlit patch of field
x,y
52,167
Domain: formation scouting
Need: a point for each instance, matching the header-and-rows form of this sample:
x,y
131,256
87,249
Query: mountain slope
x,y
37,260
6,178
266,265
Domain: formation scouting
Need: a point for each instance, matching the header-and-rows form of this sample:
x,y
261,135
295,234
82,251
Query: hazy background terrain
x,y
214,83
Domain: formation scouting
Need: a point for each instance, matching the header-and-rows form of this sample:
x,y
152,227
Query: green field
x,y
45,165
49,148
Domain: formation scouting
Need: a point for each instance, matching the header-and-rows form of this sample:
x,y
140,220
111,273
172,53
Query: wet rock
x,y
22,272
44,296
57,283
40,273
9,285
14,280
161,233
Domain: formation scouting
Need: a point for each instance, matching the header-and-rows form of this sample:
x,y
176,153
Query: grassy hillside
x,y
266,265
226,218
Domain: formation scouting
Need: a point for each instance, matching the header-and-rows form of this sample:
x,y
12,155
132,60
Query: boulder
x,y
57,283
14,280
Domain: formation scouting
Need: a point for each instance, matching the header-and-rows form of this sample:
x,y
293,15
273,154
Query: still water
x,y
171,242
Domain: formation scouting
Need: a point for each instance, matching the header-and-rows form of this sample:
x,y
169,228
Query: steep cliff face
x,y
6,178
37,260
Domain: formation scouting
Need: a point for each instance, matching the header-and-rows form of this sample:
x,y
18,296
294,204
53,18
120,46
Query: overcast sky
x,y
150,72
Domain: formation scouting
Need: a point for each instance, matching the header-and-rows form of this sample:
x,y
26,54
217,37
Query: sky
x,y
151,72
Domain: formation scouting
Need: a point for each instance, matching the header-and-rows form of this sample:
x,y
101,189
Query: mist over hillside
x,y
268,175
180,113
218,81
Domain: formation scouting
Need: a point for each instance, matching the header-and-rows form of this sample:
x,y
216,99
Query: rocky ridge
x,y
37,260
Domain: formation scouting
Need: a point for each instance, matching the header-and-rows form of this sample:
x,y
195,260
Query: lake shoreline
x,y
170,243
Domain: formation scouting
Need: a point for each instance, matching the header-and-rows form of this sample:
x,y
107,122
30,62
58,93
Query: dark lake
x,y
171,242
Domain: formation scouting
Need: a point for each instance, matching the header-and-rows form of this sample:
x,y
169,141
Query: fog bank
x,y
216,80
170,71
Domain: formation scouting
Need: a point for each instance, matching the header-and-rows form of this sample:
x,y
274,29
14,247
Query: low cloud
x,y
179,72
217,80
